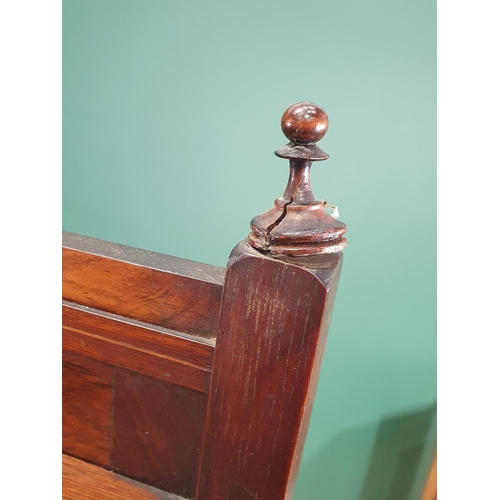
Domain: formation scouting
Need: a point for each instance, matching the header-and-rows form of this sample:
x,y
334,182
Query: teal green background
x,y
171,114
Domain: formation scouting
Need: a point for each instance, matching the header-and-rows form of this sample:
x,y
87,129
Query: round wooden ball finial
x,y
304,123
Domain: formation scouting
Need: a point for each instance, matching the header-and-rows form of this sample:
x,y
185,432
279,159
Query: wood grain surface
x,y
274,321
183,360
157,432
83,481
153,391
87,395
166,291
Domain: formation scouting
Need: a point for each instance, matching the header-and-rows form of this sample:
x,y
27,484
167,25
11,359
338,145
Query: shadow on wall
x,y
394,468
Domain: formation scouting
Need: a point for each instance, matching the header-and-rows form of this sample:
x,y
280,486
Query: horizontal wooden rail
x,y
179,359
158,289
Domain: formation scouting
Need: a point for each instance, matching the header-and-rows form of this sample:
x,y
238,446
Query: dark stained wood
x,y
153,288
157,432
193,381
87,394
274,321
298,225
182,360
83,481
183,348
304,123
122,355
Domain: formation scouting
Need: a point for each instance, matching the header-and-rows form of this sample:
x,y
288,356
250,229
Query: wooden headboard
x,y
190,380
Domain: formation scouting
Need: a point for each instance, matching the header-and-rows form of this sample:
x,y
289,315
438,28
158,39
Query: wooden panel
x,y
269,349
158,289
83,481
86,405
157,432
138,347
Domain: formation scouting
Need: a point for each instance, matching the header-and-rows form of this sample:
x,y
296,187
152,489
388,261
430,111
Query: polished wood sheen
x,y
298,224
139,347
135,393
274,321
157,432
83,481
157,289
87,396
192,379
304,123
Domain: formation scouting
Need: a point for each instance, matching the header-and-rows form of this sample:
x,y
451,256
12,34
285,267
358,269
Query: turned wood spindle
x,y
298,224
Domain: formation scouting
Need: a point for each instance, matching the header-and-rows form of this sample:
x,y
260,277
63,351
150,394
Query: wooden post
x,y
278,295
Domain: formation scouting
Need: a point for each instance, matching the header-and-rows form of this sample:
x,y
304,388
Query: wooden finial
x,y
304,123
298,225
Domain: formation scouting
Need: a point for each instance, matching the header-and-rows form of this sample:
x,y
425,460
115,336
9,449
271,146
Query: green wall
x,y
171,115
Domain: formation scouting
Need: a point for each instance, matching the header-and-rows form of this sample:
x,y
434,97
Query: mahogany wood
x,y
298,225
82,481
157,432
304,123
125,379
142,348
273,326
195,381
87,394
183,348
153,288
